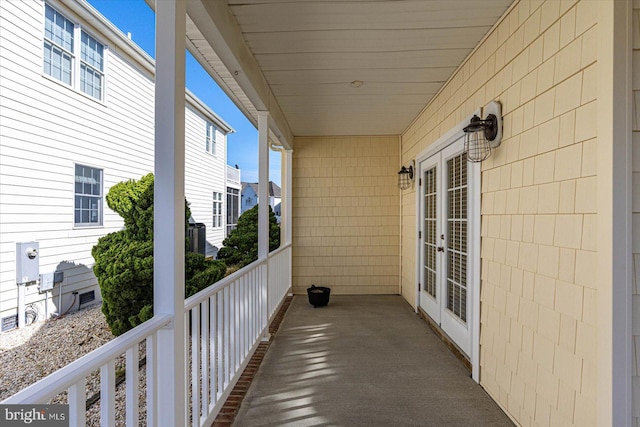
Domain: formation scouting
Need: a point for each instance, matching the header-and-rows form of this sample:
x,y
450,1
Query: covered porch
x,y
362,361
349,92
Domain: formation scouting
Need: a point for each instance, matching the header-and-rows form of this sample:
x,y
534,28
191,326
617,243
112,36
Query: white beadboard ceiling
x,y
309,51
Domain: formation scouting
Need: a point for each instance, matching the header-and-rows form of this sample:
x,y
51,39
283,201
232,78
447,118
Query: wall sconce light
x,y
481,136
405,176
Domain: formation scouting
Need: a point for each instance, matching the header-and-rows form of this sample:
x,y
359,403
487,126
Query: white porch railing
x,y
228,320
233,175
224,325
72,378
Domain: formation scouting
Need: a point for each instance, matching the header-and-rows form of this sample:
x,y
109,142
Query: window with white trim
x,y
88,196
210,145
217,210
62,39
91,66
58,45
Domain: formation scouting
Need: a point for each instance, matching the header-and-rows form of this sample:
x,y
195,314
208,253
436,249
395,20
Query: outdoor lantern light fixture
x,y
405,176
481,136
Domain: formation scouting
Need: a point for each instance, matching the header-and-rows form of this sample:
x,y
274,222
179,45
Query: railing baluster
x,y
76,398
272,287
107,394
131,381
239,313
195,366
185,368
227,322
264,282
252,331
220,349
205,357
247,305
256,296
270,274
232,329
258,293
236,327
243,319
151,380
213,352
259,301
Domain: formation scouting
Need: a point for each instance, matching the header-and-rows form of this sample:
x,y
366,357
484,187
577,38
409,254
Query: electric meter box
x,y
27,262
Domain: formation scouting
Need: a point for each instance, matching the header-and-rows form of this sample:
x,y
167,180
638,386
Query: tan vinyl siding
x,y
538,211
345,214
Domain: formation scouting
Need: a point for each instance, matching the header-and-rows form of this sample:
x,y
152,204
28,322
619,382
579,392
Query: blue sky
x,y
135,17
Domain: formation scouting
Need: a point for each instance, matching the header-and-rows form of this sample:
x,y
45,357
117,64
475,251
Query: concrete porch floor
x,y
362,361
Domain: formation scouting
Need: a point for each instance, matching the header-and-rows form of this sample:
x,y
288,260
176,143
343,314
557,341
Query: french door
x,y
445,260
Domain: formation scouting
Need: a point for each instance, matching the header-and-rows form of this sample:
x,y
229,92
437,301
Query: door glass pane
x,y
457,236
430,237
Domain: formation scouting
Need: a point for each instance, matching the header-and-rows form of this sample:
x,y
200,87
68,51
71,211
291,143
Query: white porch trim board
x,y
614,328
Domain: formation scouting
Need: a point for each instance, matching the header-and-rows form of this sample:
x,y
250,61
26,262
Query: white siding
x,y
47,127
204,174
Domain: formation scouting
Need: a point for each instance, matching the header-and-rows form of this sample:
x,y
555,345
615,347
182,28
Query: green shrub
x,y
124,259
240,248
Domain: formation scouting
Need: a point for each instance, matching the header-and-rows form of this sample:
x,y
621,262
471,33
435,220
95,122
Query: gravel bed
x,y
30,354
35,351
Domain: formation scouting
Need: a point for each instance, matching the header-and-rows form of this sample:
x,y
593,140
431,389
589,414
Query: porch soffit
x,y
305,54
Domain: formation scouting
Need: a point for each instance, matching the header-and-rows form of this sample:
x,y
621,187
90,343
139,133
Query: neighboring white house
x,y
76,117
250,195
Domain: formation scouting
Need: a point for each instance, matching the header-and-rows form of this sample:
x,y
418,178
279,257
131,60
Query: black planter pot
x,y
318,295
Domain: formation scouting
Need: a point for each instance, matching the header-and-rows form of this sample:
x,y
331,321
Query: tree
x,y
240,248
124,259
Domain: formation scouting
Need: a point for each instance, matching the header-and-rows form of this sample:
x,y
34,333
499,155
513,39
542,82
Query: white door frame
x,y
474,187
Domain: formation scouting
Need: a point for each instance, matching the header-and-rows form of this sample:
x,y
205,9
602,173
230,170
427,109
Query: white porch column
x,y
169,220
287,196
287,209
263,184
263,215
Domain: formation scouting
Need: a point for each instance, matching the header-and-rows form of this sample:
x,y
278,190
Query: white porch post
x,y
287,190
263,184
263,214
287,209
169,214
